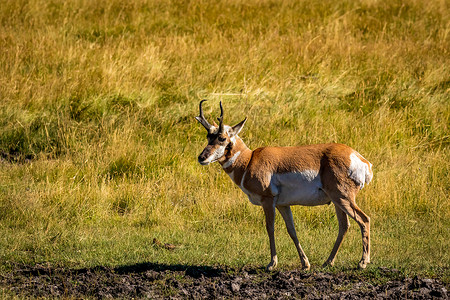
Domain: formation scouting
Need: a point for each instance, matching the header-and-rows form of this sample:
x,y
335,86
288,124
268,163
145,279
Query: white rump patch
x,y
359,171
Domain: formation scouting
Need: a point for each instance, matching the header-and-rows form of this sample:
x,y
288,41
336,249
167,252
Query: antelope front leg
x,y
286,213
269,212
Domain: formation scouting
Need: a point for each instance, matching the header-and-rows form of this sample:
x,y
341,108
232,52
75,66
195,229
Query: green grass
x,y
99,143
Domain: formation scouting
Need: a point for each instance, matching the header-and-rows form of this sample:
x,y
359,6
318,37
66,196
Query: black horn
x,y
201,118
220,119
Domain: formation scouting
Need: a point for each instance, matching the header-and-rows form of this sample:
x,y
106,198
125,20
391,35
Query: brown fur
x,y
253,171
331,161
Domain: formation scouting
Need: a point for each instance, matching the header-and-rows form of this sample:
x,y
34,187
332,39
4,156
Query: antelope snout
x,y
202,159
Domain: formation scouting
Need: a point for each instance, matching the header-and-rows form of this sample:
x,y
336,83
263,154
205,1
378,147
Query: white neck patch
x,y
231,161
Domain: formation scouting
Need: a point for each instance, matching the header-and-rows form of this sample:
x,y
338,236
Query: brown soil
x,y
157,281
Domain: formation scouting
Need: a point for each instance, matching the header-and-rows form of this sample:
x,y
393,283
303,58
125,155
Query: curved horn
x,y
201,118
220,119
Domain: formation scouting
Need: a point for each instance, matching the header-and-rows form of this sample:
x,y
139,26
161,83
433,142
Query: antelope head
x,y
221,138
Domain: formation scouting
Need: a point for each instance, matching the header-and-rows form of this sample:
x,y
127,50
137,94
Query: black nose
x,y
201,157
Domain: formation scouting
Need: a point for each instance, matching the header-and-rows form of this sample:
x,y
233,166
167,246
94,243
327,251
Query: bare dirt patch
x,y
157,281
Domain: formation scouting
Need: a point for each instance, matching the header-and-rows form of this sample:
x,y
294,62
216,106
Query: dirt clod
x,y
157,281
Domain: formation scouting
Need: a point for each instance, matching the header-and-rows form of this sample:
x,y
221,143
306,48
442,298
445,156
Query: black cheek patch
x,y
211,137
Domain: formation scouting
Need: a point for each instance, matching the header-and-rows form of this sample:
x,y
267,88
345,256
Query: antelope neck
x,y
239,155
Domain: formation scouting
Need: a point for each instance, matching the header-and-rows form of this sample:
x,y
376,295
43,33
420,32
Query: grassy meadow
x,y
99,144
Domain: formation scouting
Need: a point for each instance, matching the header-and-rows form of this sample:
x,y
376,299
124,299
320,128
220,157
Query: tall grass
x,y
99,144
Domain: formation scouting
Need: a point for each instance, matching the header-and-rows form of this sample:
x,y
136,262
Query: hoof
x,y
273,264
305,264
270,267
362,265
327,264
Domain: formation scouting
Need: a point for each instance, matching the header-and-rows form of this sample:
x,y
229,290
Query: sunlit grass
x,y
98,139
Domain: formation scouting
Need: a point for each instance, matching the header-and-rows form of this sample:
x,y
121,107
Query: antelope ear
x,y
238,127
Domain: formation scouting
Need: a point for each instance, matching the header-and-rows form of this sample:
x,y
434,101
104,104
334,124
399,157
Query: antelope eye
x,y
221,139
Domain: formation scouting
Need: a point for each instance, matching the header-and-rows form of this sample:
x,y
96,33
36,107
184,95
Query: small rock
x,y
427,282
184,292
235,287
441,293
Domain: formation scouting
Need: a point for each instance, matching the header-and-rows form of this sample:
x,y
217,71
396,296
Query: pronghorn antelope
x,y
278,177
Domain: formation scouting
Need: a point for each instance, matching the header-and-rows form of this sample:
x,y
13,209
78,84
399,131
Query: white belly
x,y
299,188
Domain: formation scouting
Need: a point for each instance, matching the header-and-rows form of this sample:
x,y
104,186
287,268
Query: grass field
x,y
99,143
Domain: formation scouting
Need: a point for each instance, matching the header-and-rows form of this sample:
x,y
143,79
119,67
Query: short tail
x,y
369,173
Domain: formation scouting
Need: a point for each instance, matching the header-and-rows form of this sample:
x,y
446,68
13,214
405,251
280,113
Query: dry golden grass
x,y
99,143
